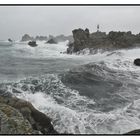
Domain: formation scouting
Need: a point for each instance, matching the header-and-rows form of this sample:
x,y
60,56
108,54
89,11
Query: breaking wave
x,y
100,94
114,111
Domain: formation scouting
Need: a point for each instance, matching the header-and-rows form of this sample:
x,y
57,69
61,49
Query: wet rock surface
x,y
20,117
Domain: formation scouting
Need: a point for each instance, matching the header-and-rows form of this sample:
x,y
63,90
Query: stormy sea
x,y
82,94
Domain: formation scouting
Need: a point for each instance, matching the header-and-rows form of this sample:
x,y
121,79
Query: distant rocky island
x,y
50,38
101,40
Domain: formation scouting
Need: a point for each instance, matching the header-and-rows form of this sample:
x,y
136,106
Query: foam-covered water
x,y
83,94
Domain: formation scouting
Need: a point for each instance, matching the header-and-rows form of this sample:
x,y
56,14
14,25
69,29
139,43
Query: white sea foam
x,y
72,115
67,120
68,110
119,59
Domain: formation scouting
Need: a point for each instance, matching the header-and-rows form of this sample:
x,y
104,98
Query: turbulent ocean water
x,y
83,94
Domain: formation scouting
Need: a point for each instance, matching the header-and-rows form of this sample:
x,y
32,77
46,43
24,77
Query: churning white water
x,y
37,74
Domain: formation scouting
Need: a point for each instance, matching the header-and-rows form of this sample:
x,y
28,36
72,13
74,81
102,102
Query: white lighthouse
x,y
98,27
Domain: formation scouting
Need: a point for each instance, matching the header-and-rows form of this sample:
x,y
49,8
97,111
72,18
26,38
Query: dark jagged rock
x,y
70,48
32,43
27,37
81,39
26,119
51,41
137,62
100,40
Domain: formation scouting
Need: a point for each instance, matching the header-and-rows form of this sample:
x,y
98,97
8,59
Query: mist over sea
x,y
83,94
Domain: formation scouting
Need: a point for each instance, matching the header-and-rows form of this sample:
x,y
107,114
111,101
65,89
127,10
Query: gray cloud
x,y
34,20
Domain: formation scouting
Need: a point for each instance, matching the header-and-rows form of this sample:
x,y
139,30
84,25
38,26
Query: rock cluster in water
x,y
100,40
59,38
20,117
27,37
32,43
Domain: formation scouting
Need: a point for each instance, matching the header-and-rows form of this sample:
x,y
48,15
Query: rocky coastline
x,y
101,40
21,117
18,116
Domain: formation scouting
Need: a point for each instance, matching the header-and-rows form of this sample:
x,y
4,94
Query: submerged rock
x,y
137,62
32,43
20,117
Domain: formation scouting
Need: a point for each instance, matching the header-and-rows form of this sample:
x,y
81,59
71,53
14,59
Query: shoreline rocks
x,y
20,117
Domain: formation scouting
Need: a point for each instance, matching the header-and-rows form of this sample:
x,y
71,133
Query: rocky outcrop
x,y
13,122
137,62
51,41
100,40
84,39
81,39
27,37
20,117
32,43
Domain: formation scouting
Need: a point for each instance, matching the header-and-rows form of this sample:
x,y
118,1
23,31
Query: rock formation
x,y
81,39
100,40
137,62
20,117
32,43
27,37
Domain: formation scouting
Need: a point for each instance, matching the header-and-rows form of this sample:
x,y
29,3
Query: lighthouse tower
x,y
98,28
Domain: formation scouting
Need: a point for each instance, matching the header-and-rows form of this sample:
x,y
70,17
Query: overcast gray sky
x,y
34,20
